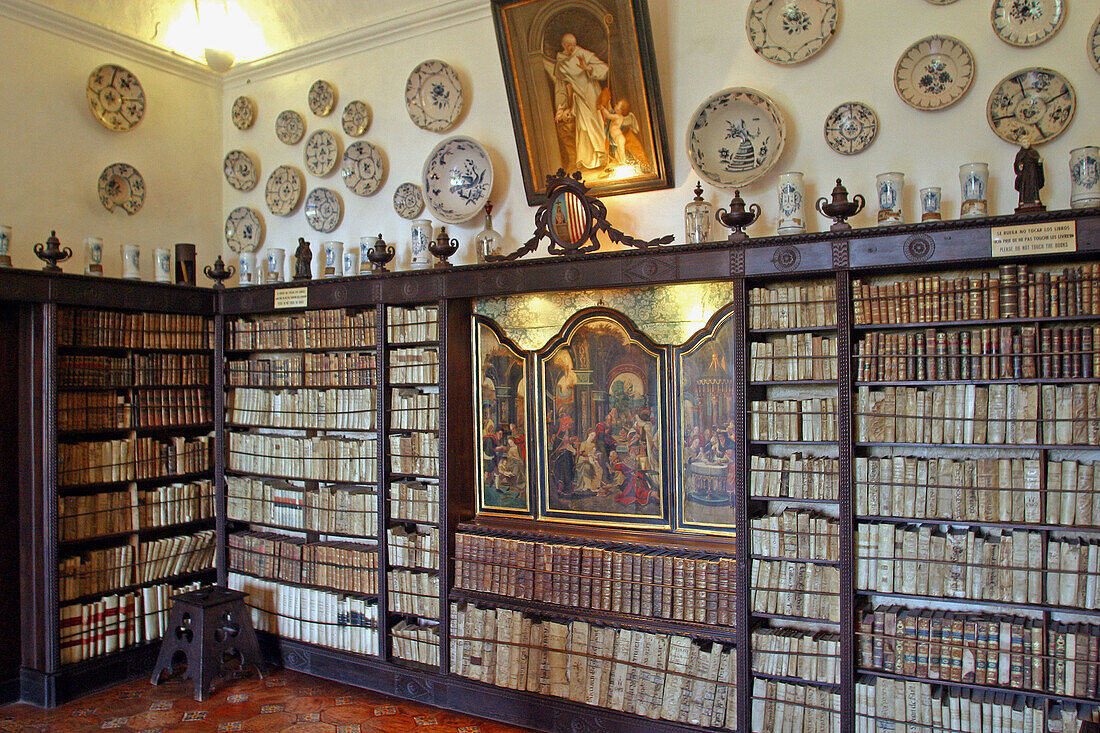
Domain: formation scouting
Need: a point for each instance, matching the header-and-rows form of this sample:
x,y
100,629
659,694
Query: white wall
x,y
701,48
54,150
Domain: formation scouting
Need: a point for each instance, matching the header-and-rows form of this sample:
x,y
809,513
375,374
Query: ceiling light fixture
x,y
214,30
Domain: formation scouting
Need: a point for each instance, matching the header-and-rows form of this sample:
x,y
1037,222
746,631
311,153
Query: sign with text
x,y
1049,237
291,298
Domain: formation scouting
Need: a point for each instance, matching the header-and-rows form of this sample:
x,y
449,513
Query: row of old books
x,y
326,458
1015,291
146,408
794,357
658,676
303,409
177,406
802,589
795,477
414,501
657,583
786,706
115,622
341,369
93,411
413,547
346,566
415,453
1015,490
103,571
793,420
793,306
412,409
115,329
413,365
814,657
796,534
80,370
130,459
1006,352
413,592
317,329
416,640
171,370
113,512
312,615
406,325
908,706
348,510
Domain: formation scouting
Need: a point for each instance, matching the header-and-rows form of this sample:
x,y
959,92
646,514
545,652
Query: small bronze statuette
x,y
219,273
303,258
443,247
840,208
52,252
379,254
738,217
1028,167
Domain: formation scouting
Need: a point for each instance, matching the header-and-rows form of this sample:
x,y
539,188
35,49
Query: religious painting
x,y
583,91
706,446
602,423
500,388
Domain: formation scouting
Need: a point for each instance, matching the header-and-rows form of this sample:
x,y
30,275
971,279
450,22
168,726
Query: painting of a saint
x,y
501,407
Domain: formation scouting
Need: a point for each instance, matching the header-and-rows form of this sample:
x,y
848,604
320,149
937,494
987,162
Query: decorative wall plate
x,y
120,185
356,118
244,113
790,31
934,73
116,98
457,178
1027,22
322,97
1034,103
433,96
283,191
735,136
940,2
324,209
244,232
408,201
240,171
363,169
851,128
289,127
321,152
1093,44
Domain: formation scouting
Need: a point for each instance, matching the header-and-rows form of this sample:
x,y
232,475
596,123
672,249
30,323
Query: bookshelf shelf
x,y
796,680
205,574
982,603
145,533
995,689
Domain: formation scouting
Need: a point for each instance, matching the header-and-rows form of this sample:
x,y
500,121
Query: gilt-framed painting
x,y
583,91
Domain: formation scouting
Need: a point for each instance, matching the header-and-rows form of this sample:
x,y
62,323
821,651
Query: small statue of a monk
x,y
303,259
1029,178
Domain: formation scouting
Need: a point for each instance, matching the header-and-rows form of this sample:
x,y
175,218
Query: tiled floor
x,y
282,701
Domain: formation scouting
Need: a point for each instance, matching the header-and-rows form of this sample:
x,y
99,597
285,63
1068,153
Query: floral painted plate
x,y
283,191
790,31
240,171
356,118
244,113
121,186
457,177
322,97
1032,104
321,153
433,96
408,201
735,137
934,73
289,127
1027,22
116,98
244,232
1093,46
324,209
851,128
363,169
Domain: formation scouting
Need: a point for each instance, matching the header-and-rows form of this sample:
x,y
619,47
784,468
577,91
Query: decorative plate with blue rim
x,y
244,232
433,96
851,128
244,113
321,153
934,73
356,118
363,169
324,209
790,31
408,201
1032,104
240,171
735,137
283,191
322,97
289,127
121,186
458,178
116,98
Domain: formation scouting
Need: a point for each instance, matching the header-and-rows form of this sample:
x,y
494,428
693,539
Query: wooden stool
x,y
205,625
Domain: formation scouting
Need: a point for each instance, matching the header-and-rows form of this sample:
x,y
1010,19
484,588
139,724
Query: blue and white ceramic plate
x,y
1032,104
244,113
289,127
433,96
283,191
324,209
363,169
240,171
934,73
1093,44
408,201
851,128
735,137
244,232
356,118
458,178
322,97
116,98
790,31
321,153
121,186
